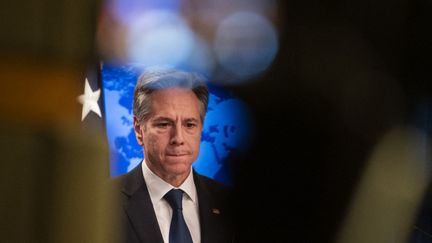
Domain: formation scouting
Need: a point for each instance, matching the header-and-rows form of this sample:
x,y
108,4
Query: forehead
x,y
175,101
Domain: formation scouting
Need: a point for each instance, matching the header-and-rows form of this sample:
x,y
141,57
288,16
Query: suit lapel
x,y
209,213
139,208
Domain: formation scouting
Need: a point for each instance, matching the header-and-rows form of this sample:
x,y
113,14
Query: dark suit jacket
x,y
139,219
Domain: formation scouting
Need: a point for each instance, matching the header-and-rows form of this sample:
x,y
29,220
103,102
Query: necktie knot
x,y
174,198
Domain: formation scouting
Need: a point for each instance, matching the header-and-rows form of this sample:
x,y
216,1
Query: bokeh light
x,y
231,42
159,38
245,44
128,11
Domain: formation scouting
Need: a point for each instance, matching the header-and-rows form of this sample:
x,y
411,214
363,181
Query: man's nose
x,y
177,136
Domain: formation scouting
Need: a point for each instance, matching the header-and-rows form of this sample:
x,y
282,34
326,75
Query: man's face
x,y
171,136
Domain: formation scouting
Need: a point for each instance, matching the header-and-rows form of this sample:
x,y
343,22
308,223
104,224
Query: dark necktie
x,y
179,232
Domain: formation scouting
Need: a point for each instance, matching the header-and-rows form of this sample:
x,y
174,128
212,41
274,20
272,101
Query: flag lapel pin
x,y
215,211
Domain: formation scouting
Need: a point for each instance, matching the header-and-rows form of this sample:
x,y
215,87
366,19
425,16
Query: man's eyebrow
x,y
167,119
161,118
192,120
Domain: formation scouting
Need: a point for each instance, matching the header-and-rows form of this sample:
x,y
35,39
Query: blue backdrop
x,y
227,126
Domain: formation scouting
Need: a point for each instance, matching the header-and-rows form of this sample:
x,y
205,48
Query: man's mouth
x,y
177,154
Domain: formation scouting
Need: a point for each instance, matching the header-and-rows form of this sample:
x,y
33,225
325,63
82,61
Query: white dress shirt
x,y
158,188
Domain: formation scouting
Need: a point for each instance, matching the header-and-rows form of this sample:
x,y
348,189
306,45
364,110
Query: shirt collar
x,y
158,188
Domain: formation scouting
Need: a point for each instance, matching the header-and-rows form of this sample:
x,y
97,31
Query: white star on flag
x,y
89,100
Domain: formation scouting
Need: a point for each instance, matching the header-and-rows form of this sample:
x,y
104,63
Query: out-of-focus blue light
x,y
159,38
127,11
246,44
201,58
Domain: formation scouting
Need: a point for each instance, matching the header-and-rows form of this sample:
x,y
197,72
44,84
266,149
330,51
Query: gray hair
x,y
154,80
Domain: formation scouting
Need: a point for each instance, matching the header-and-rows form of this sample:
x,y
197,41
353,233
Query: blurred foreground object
x,y
56,31
231,41
52,186
390,192
53,172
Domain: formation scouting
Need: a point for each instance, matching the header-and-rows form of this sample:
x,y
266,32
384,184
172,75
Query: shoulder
x,y
130,182
211,186
209,181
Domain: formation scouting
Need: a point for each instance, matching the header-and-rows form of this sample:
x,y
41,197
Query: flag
x,y
92,100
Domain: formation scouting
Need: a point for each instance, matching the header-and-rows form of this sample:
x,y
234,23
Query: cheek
x,y
195,142
154,143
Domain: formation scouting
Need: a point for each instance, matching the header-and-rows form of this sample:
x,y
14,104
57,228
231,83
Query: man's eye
x,y
162,124
190,125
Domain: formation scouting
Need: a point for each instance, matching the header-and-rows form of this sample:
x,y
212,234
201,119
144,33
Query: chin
x,y
178,164
178,170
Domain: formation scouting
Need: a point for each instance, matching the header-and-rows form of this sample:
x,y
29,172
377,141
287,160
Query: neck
x,y
173,180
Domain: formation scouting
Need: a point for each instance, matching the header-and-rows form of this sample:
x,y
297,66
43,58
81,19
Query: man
x,y
163,199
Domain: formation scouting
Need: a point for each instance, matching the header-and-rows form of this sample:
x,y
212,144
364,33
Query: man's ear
x,y
138,130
